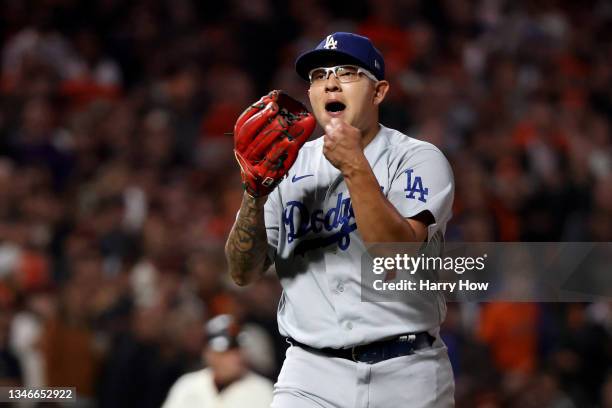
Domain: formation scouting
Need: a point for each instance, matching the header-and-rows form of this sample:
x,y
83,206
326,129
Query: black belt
x,y
375,352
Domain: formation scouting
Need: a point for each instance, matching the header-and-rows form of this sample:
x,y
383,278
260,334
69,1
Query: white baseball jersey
x,y
198,389
317,249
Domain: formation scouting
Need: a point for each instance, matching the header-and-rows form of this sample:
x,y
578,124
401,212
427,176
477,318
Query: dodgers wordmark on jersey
x,y
314,241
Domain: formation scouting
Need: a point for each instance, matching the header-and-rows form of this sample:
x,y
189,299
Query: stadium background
x,y
118,186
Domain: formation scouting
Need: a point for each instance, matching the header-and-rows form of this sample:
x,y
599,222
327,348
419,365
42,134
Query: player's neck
x,y
370,133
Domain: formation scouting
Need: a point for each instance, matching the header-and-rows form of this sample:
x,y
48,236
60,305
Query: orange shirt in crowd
x,y
510,330
70,357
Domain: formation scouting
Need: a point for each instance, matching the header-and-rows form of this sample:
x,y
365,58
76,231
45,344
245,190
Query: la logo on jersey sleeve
x,y
414,187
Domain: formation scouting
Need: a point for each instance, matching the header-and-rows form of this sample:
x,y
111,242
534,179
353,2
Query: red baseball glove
x,y
267,138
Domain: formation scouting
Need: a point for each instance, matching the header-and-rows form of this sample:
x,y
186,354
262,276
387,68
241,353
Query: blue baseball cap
x,y
345,48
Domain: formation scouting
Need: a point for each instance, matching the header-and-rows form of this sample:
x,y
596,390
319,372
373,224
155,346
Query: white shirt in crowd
x,y
198,389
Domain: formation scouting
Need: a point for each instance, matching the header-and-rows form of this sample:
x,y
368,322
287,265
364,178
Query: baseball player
x,y
226,382
358,184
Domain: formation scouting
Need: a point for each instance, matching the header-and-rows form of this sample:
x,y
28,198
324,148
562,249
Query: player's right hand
x,y
267,138
343,146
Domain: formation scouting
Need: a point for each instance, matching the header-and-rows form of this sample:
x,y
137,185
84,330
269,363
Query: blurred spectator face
x,y
43,304
119,126
75,303
6,175
505,76
477,228
422,39
37,120
228,84
155,235
182,13
541,115
254,9
88,46
87,268
157,138
148,323
184,327
176,199
169,285
542,390
111,181
206,271
509,182
42,207
432,131
182,87
603,194
360,98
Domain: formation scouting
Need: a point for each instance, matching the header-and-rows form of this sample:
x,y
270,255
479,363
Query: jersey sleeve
x,y
424,182
272,218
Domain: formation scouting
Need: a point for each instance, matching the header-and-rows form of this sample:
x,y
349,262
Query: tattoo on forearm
x,y
247,242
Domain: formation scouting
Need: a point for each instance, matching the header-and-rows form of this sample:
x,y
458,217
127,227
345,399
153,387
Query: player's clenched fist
x,y
267,138
342,145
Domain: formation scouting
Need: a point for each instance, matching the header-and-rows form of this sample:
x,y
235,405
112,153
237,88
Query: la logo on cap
x,y
330,43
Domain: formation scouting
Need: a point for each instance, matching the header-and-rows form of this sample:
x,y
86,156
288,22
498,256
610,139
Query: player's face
x,y
355,102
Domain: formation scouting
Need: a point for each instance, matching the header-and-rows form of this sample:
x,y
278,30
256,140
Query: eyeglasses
x,y
344,74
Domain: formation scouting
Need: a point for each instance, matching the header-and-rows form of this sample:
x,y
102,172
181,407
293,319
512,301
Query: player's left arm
x,y
401,216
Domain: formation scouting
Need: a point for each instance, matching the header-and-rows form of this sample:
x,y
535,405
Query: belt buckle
x,y
367,357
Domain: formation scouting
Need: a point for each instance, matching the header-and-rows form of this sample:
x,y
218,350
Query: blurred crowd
x,y
118,185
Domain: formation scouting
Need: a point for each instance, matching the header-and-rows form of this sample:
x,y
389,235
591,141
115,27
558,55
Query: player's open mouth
x,y
334,107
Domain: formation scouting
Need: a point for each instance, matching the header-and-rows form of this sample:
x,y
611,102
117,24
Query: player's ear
x,y
310,97
380,91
